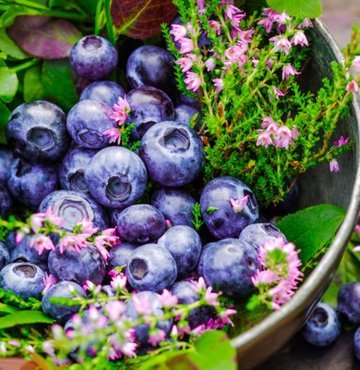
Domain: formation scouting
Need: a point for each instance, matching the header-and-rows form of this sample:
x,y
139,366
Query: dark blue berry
x,y
116,177
349,301
24,279
357,343
107,92
151,267
184,244
323,326
120,255
173,154
93,57
228,266
37,132
175,204
221,218
140,223
30,183
184,114
4,255
6,158
5,200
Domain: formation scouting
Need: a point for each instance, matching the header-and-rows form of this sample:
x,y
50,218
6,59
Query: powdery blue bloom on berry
x,y
349,302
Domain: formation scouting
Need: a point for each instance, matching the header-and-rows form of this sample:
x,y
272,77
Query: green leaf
x,y
299,8
8,84
6,309
8,17
4,117
33,86
312,228
56,76
24,318
9,47
211,210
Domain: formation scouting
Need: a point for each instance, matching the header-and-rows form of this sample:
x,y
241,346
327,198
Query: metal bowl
x,y
318,186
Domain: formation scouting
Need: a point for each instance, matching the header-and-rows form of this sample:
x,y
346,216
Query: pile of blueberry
x,y
67,164
324,327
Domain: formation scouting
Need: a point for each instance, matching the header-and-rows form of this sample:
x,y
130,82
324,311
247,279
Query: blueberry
x,y
221,218
6,157
87,121
5,200
349,301
184,244
120,255
256,234
148,107
72,169
186,294
4,255
24,279
29,183
151,267
107,92
24,252
228,265
172,153
37,132
74,207
93,57
140,223
116,177
184,114
357,343
323,326
150,65
142,331
87,264
63,289
175,204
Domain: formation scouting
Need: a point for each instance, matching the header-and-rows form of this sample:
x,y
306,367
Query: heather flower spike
x,y
239,204
114,135
334,166
120,111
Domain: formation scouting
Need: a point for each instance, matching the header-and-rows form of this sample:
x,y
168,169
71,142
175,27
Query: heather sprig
x,y
258,123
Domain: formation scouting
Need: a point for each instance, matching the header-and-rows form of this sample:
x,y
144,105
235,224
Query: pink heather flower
x,y
300,39
218,84
294,133
239,204
115,309
267,121
356,249
245,35
288,71
105,240
201,6
114,135
255,61
355,66
357,229
168,224
224,316
157,338
283,137
210,64
167,299
352,86
120,111
278,93
41,243
282,19
234,52
267,23
281,43
174,331
215,25
199,285
142,305
87,227
264,139
305,23
109,232
14,343
126,347
186,63
48,280
186,45
272,129
198,330
119,281
178,31
192,81
91,287
342,141
52,218
264,277
93,314
235,15
37,221
73,242
211,297
334,166
48,348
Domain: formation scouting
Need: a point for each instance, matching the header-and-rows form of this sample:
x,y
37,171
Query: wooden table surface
x,y
299,355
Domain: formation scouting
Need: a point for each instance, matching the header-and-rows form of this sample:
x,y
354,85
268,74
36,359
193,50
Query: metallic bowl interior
x,y
317,186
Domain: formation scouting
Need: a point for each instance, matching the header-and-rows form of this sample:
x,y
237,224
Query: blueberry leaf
x,y
8,84
299,8
56,76
34,89
312,228
9,47
6,309
141,19
44,37
24,318
9,16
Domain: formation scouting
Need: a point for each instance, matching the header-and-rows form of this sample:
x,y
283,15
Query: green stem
x,y
22,66
109,24
98,17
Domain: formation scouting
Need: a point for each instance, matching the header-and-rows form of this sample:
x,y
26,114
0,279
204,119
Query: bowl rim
x,y
314,282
